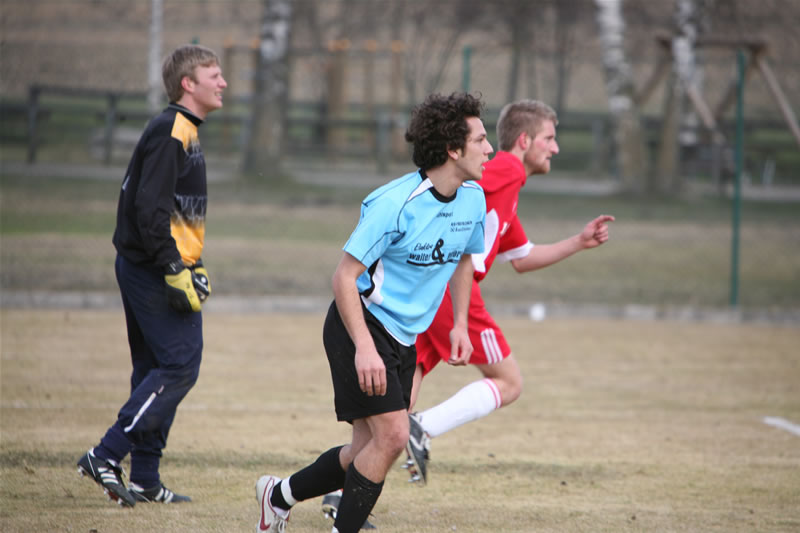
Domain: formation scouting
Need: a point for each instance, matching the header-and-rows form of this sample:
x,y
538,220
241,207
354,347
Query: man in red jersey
x,y
526,137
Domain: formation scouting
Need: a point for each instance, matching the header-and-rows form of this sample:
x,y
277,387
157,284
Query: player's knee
x,y
181,378
511,390
346,456
394,439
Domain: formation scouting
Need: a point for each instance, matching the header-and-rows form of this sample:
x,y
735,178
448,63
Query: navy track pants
x,y
166,350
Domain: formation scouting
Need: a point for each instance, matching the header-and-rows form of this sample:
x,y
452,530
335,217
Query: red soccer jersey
x,y
504,237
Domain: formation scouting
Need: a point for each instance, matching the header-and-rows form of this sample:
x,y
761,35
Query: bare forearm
x,y
594,234
460,288
543,255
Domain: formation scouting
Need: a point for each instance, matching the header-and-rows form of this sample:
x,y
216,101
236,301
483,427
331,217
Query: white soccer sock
x,y
286,491
474,401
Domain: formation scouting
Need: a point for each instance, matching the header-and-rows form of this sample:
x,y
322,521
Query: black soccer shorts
x,y
350,401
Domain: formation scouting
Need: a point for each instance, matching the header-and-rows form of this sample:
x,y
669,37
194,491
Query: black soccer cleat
x,y
108,474
418,449
157,494
330,504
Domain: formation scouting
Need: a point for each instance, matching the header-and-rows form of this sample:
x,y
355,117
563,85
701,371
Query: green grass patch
x,y
271,235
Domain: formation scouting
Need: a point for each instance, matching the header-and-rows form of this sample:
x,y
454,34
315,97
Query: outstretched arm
x,y
594,234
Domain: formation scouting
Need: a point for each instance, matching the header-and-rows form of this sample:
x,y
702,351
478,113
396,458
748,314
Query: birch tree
x,y
679,124
269,104
155,87
686,66
628,138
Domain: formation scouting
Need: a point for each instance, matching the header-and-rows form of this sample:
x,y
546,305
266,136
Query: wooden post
x,y
370,49
33,113
111,120
227,62
729,98
337,95
786,109
397,140
661,70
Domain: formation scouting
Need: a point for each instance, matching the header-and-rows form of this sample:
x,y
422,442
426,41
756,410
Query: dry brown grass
x,y
623,426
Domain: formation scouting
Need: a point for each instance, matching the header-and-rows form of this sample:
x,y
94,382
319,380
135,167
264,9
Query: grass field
x,y
623,427
279,238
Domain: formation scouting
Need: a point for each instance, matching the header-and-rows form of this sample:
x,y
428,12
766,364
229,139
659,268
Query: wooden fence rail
x,y
375,136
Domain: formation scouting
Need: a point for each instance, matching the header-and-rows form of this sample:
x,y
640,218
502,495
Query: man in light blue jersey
x,y
415,234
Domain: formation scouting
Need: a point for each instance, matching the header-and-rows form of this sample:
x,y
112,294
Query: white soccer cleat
x,y
270,521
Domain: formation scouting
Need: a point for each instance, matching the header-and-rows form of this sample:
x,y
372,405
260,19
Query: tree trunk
x,y
336,76
679,115
270,94
530,70
155,85
667,166
628,137
564,28
517,39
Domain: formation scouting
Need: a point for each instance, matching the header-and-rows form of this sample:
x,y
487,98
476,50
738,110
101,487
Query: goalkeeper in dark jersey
x,y
159,241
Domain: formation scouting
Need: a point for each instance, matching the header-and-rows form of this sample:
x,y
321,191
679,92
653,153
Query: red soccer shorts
x,y
488,343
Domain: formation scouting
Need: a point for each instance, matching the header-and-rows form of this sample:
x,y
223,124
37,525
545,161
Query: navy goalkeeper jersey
x,y
162,205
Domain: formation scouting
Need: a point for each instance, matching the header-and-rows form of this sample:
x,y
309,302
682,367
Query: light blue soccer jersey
x,y
411,239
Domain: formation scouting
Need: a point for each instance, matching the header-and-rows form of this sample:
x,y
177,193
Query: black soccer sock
x,y
320,477
358,498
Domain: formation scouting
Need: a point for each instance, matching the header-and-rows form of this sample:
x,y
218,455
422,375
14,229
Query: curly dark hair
x,y
439,124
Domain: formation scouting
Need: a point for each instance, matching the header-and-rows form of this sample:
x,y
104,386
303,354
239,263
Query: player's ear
x,y
524,140
188,84
454,154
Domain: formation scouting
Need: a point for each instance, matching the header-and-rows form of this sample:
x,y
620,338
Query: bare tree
x,y
518,16
437,29
154,84
335,31
338,67
566,18
679,133
630,150
268,119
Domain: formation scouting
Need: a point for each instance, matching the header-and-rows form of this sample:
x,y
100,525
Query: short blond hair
x,y
522,116
182,62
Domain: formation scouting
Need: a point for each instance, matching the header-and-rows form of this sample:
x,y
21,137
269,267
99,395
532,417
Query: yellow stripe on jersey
x,y
188,237
184,130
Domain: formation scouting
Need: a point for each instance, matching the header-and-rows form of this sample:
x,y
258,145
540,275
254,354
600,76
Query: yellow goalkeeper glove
x,y
201,281
181,293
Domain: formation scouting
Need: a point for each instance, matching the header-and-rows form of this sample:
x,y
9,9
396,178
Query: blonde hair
x,y
522,116
182,62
